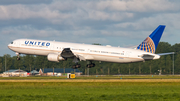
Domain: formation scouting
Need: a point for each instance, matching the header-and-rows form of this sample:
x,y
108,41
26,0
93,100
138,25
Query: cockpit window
x,y
11,42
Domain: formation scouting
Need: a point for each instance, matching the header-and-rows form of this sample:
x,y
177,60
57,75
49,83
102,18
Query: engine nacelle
x,y
54,57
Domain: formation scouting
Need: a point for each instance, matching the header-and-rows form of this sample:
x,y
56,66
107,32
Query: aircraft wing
x,y
165,53
85,57
81,57
153,56
67,53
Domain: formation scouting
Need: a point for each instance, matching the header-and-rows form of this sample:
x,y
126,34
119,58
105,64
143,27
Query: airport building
x,y
33,72
16,72
44,71
60,71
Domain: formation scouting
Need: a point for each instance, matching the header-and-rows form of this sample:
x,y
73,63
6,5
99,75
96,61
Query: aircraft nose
x,y
9,46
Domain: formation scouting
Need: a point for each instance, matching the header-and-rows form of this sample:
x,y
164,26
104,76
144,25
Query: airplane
x,y
59,51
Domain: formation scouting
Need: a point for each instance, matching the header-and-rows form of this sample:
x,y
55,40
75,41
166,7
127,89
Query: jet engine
x,y
55,57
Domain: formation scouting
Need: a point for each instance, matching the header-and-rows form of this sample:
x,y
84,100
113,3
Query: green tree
x,y
176,48
42,62
17,64
162,64
177,64
168,64
28,62
8,60
1,67
164,47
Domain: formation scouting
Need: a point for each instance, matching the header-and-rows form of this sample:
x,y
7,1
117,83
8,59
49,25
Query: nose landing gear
x,y
18,58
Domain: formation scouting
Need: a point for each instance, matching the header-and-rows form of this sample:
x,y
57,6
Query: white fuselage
x,y
89,52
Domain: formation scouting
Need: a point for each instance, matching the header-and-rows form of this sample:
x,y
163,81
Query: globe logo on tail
x,y
147,45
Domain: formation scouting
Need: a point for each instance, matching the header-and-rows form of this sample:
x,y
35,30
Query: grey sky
x,y
113,22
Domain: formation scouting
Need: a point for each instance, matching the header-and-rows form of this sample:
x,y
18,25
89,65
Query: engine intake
x,y
54,57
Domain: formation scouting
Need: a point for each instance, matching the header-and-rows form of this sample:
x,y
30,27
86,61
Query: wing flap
x,y
85,57
81,58
67,53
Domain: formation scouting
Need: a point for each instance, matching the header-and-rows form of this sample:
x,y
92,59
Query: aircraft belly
x,y
30,51
116,59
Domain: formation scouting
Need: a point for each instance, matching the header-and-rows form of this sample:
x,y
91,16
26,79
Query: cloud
x,y
169,19
29,2
24,12
88,21
138,5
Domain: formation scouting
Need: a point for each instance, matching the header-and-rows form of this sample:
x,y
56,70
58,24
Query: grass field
x,y
100,77
89,89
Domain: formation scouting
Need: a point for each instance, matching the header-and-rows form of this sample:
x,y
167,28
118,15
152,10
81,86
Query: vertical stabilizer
x,y
150,43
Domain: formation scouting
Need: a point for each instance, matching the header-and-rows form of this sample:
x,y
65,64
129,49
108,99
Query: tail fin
x,y
150,43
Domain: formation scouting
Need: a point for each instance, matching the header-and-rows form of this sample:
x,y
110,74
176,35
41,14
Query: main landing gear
x,y
76,66
90,65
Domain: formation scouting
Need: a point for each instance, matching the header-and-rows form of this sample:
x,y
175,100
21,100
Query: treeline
x,y
165,63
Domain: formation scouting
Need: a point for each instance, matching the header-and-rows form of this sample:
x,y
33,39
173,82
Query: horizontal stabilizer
x,y
166,53
147,56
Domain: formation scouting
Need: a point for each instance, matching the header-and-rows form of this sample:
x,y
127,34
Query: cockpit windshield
x,y
11,42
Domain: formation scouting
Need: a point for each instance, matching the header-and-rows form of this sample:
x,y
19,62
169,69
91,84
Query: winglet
x,y
150,43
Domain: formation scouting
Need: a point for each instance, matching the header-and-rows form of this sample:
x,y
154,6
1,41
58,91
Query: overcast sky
x,y
108,22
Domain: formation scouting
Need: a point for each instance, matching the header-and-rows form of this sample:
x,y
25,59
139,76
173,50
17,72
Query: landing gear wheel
x,y
76,66
18,58
90,65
